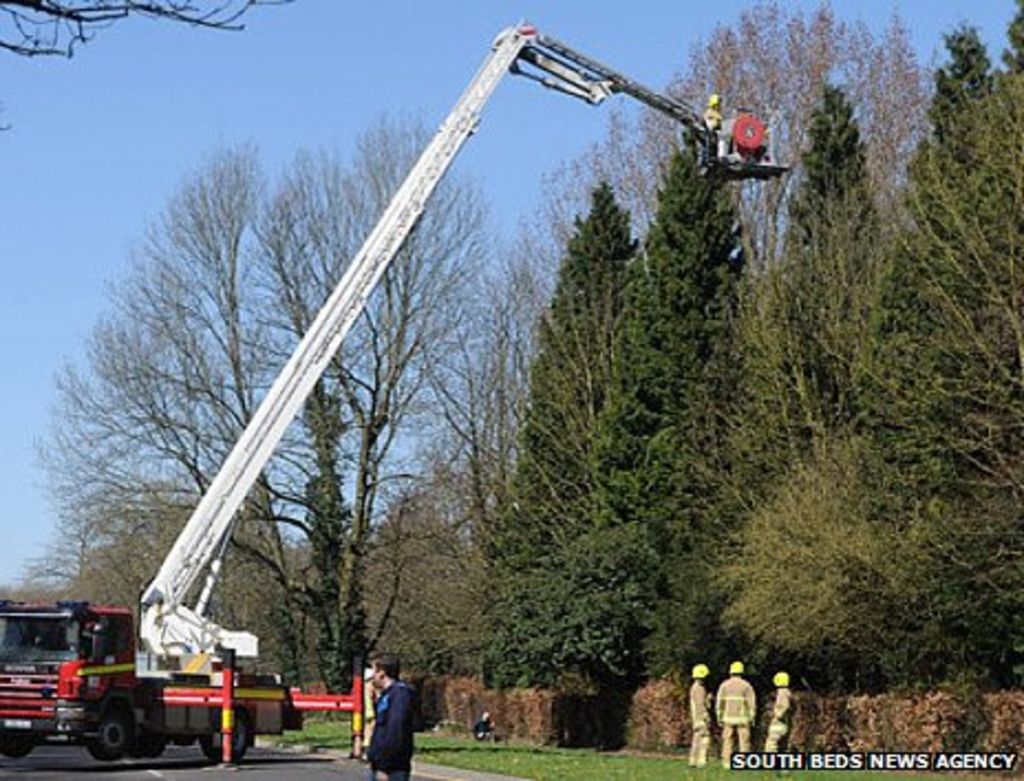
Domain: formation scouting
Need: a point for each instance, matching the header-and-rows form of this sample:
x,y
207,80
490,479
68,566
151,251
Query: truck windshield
x,y
38,638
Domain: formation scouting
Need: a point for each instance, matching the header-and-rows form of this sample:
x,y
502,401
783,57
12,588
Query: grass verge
x,y
542,763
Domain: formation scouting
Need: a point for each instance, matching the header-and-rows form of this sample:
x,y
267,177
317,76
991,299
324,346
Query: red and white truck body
x,y
69,672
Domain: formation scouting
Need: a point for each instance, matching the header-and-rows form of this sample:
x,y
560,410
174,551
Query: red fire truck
x,y
68,673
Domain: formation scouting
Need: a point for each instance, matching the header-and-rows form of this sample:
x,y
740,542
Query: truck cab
x,y
69,673
66,669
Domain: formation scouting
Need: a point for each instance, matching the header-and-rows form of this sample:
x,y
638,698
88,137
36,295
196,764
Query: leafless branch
x,y
34,28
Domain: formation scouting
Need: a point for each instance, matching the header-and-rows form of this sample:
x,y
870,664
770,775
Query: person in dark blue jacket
x,y
391,747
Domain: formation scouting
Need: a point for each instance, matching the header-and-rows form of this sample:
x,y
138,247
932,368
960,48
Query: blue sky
x,y
98,143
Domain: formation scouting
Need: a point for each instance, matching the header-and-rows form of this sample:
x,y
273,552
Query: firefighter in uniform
x,y
779,727
713,114
735,707
713,122
700,714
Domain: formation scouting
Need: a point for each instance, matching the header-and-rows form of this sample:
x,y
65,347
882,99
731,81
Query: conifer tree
x,y
965,79
949,394
805,335
805,325
660,438
1013,55
566,602
569,381
834,168
830,265
906,319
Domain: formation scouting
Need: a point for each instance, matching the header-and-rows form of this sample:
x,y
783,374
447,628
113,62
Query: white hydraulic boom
x,y
168,626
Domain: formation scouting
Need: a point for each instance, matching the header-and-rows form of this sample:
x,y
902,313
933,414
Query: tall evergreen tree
x,y
661,434
830,267
565,604
1013,55
569,382
805,324
949,395
907,319
834,167
965,79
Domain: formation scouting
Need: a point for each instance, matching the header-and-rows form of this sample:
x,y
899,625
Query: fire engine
x,y
69,671
72,671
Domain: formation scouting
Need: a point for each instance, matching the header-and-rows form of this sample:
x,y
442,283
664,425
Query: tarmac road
x,y
50,763
59,763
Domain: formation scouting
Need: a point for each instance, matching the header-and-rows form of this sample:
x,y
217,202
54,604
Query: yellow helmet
x,y
714,101
700,671
781,679
736,668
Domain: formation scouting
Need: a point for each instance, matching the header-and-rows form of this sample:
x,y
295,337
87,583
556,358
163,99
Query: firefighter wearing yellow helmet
x,y
713,114
735,707
718,135
779,727
700,715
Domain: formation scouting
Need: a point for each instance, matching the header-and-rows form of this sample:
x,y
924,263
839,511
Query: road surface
x,y
60,763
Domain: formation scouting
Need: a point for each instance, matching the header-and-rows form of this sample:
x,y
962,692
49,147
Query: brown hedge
x,y
659,716
521,714
656,717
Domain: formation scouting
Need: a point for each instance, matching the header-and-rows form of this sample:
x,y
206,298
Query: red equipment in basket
x,y
748,136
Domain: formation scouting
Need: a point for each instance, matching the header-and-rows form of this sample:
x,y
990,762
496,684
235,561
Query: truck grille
x,y
27,692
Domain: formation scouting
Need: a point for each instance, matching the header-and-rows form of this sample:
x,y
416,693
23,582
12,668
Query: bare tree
x,y
482,388
436,578
364,413
429,554
170,381
223,288
48,27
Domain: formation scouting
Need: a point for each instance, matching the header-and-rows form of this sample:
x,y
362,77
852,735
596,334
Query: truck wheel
x,y
149,745
16,746
212,745
114,736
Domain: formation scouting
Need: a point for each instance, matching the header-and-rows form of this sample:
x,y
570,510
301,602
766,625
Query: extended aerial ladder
x,y
169,627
